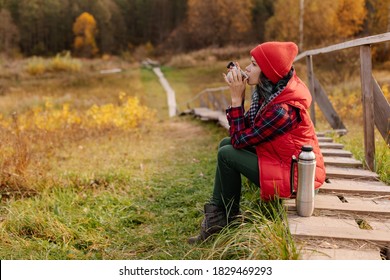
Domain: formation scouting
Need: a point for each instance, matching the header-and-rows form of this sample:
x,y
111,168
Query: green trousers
x,y
231,164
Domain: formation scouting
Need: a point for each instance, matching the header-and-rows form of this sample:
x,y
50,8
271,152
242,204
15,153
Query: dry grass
x,y
40,116
208,57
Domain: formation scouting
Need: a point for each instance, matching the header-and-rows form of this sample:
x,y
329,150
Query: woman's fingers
x,y
236,74
226,78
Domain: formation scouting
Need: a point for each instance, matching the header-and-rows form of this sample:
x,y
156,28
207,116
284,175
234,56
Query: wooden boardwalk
x,y
351,219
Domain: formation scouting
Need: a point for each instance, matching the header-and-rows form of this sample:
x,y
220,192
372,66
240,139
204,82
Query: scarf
x,y
266,91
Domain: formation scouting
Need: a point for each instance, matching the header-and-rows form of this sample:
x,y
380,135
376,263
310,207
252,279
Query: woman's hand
x,y
237,86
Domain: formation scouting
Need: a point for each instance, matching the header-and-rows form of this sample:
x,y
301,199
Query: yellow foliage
x,y
65,64
126,116
36,66
350,15
3,122
324,22
129,114
60,63
78,42
347,104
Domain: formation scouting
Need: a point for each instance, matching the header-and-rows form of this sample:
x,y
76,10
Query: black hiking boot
x,y
215,219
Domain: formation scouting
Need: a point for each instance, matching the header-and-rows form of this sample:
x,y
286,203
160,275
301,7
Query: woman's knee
x,y
225,141
225,152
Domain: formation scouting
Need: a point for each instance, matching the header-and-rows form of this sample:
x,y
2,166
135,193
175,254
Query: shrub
x,y
64,63
60,63
36,66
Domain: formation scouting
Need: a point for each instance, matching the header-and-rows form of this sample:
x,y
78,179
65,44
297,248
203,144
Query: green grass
x,y
354,142
262,233
136,197
133,198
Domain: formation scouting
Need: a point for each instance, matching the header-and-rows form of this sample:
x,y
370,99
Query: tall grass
x,y
263,233
60,63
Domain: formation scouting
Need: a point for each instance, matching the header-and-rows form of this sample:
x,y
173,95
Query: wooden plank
x,y
354,205
325,227
382,112
200,110
382,225
207,114
339,132
326,107
368,105
350,173
311,85
321,221
342,162
335,153
171,98
349,44
355,186
325,145
339,254
223,121
325,139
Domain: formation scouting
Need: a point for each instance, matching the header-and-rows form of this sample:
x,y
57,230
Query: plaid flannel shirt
x,y
275,120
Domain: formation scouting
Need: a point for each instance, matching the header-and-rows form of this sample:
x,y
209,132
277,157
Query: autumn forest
x,y
95,27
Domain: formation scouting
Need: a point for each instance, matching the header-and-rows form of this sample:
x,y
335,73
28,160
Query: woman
x,y
262,140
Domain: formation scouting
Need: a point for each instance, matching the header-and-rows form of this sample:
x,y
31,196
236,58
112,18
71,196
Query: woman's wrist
x,y
236,102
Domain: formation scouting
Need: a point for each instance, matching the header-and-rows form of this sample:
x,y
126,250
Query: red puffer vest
x,y
274,156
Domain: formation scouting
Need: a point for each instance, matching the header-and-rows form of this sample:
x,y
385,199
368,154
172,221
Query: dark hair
x,y
266,87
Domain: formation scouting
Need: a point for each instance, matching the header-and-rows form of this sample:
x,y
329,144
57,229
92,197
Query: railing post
x,y
310,77
368,105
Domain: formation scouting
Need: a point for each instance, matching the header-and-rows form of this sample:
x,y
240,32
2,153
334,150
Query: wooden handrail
x,y
203,92
367,84
380,38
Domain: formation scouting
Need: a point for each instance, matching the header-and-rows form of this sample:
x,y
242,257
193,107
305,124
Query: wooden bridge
x,y
352,210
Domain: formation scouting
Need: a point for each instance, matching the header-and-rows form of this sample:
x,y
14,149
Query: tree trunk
x,y
301,14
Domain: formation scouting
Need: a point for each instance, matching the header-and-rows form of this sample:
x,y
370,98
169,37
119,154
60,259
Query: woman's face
x,y
253,70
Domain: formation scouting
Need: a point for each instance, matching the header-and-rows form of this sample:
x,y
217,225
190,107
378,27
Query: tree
x,y
326,21
262,10
85,30
378,21
219,22
283,25
350,16
111,24
44,25
9,33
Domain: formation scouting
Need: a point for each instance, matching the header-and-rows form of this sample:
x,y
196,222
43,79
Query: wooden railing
x,y
212,98
376,109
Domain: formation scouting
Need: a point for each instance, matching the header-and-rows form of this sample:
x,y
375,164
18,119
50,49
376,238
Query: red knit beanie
x,y
275,58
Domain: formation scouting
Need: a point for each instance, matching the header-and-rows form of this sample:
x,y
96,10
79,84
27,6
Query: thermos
x,y
306,162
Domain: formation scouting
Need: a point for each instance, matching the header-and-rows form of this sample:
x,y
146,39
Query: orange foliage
x,y
220,21
325,21
85,30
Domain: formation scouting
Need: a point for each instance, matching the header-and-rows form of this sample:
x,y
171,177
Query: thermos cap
x,y
307,148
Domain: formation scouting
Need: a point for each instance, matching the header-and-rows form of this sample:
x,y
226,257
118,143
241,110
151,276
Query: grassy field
x,y
80,181
83,189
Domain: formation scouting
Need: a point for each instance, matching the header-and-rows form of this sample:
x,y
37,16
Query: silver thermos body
x,y
306,162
